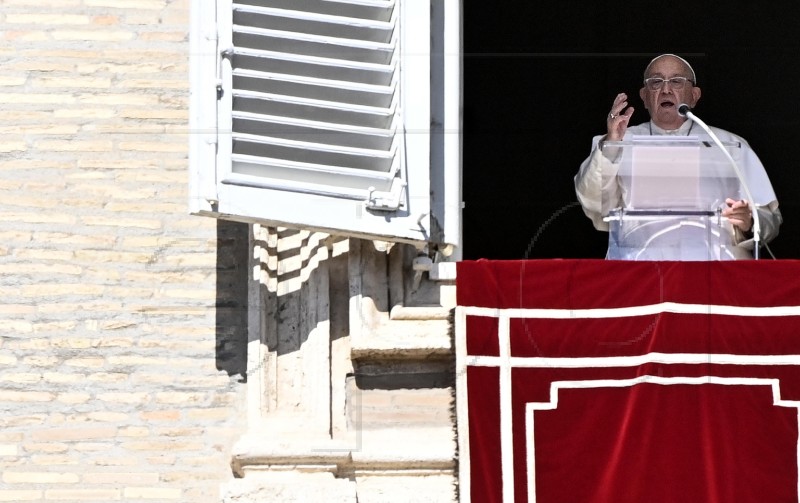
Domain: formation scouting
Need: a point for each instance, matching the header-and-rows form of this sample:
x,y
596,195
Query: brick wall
x,y
121,315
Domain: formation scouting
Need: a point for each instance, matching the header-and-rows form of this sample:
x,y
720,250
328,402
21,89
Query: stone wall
x,y
121,316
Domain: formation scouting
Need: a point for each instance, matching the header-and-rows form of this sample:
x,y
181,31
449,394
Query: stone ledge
x,y
406,339
289,487
420,313
385,487
399,450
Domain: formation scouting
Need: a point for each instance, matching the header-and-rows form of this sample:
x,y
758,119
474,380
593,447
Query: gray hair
x,y
691,70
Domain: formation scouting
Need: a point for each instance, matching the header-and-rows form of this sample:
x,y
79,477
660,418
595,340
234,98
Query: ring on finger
x,y
612,116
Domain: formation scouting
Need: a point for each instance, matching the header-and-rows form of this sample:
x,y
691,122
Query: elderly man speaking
x,y
670,81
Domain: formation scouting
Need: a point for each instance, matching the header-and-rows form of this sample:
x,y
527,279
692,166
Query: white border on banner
x,y
556,386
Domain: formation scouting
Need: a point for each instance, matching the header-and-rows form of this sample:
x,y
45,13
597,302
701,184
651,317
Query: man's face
x,y
663,103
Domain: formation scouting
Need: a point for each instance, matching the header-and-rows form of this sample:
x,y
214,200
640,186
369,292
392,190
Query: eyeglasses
x,y
656,83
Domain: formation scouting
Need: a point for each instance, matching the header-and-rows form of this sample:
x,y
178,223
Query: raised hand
x,y
618,118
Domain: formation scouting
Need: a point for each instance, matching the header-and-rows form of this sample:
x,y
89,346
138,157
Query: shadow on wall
x,y
231,305
296,299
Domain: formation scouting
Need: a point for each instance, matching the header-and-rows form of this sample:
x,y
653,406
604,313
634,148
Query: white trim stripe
x,y
462,408
556,386
643,310
633,361
530,451
506,409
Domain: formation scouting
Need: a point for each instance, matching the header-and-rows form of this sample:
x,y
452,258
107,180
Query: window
x,y
333,115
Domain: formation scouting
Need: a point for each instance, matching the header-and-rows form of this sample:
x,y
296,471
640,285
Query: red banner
x,y
610,382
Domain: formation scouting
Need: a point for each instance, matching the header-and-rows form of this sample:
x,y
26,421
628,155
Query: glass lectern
x,y
666,197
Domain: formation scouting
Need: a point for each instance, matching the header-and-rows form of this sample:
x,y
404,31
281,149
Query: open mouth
x,y
667,104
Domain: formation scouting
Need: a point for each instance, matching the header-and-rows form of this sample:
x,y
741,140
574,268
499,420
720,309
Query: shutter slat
x,y
323,148
319,47
313,109
310,24
281,171
313,132
337,91
333,156
380,10
314,67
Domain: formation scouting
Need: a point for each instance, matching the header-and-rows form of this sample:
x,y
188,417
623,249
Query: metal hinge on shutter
x,y
224,54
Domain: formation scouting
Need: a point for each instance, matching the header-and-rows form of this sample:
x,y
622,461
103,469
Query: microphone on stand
x,y
685,111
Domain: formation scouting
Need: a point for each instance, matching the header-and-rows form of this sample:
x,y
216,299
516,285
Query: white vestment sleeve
x,y
761,189
596,184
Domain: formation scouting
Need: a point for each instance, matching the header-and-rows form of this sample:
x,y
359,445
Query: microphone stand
x,y
685,111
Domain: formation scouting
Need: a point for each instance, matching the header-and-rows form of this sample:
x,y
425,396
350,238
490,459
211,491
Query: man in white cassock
x,y
603,188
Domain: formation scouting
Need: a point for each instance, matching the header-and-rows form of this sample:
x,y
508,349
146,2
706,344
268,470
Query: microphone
x,y
685,111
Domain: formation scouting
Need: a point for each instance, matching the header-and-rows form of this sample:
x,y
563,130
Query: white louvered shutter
x,y
321,116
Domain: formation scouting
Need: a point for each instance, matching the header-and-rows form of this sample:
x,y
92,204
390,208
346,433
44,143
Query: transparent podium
x,y
666,196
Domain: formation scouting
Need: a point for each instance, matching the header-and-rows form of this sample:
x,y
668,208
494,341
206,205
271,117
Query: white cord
x,y
748,195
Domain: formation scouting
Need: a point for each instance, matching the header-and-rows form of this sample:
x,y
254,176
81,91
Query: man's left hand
x,y
739,213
